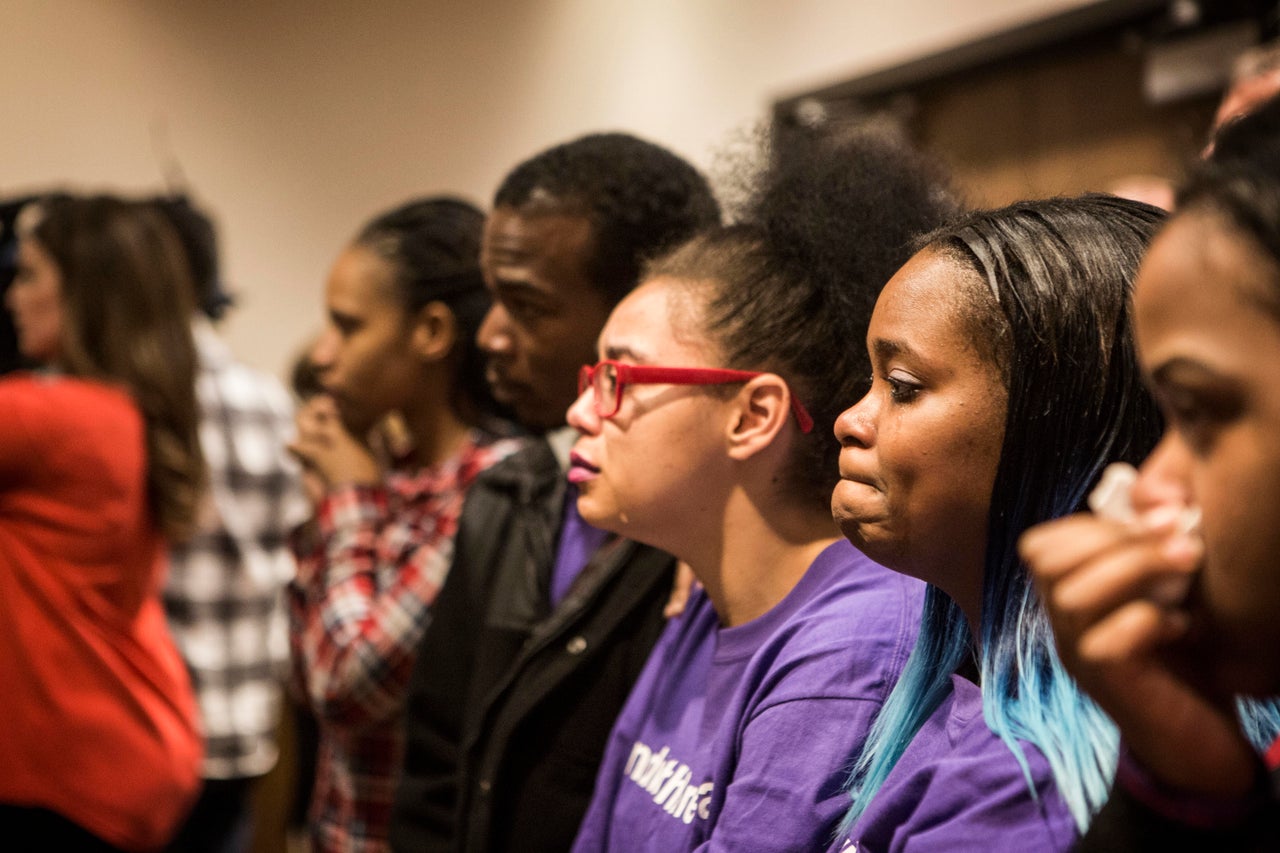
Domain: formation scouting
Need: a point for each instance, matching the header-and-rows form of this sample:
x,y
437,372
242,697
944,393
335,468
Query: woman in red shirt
x,y
99,468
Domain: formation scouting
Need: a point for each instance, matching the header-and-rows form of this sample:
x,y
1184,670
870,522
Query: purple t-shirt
x,y
578,542
740,739
959,788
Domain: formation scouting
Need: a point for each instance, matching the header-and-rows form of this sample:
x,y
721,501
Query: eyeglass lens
x,y
606,388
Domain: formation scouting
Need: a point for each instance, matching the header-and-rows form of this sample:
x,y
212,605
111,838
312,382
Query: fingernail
x,y
1183,549
1189,520
1163,517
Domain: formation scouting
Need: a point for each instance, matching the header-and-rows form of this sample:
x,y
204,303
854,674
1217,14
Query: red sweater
x,y
97,720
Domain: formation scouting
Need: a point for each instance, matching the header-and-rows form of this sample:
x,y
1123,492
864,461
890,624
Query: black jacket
x,y
510,704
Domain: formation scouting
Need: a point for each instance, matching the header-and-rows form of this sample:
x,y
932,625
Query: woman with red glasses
x,y
737,733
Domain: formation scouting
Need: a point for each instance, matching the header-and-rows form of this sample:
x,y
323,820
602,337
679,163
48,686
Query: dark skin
x,y
546,316
1162,621
374,358
546,312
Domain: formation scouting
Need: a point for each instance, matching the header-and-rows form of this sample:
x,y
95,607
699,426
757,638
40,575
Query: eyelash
x,y
900,390
523,310
1196,418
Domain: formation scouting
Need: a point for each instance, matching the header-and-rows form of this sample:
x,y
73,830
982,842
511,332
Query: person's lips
x,y
851,474
580,470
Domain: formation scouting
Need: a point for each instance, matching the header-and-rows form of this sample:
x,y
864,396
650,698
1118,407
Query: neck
x,y
758,556
970,605
437,430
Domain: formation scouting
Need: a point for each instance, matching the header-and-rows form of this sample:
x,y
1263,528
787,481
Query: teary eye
x,y
902,388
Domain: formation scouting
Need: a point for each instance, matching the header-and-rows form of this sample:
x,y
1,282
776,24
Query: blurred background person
x,y
100,470
224,594
404,301
10,356
1255,79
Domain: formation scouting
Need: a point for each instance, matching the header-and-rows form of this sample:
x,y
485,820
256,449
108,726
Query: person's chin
x,y
532,412
594,512
853,503
504,392
858,525
536,416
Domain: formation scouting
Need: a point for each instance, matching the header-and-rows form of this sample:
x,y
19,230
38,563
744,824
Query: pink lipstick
x,y
580,470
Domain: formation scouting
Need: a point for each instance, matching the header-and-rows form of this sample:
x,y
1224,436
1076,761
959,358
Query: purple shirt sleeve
x,y
958,788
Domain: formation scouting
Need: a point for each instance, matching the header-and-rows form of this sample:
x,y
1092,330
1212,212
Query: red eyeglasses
x,y
607,379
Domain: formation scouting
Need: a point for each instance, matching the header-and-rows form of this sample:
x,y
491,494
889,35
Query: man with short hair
x,y
544,622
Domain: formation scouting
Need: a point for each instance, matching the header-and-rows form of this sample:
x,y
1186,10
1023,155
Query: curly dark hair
x,y
793,282
640,199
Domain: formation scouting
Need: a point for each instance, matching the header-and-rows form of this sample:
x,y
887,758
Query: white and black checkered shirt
x,y
225,586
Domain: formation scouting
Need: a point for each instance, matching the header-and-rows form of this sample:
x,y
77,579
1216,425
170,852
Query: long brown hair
x,y
127,306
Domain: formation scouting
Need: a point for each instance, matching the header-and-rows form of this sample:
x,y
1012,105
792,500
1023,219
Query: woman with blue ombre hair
x,y
1004,382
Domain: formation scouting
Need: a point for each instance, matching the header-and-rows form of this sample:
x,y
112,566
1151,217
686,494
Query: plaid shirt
x,y
224,591
358,607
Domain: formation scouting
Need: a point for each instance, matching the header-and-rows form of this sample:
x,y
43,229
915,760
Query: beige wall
x,y
294,121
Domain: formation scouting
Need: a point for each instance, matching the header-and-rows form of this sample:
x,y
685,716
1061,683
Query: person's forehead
x,y
1202,268
360,276
521,236
551,252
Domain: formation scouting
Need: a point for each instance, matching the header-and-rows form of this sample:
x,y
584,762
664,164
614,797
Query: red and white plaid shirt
x,y
360,603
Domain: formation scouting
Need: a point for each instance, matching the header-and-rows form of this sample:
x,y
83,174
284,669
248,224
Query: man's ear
x,y
435,331
760,412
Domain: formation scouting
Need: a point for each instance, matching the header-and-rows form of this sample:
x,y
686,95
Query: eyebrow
x,y
340,317
1167,371
615,352
886,348
521,285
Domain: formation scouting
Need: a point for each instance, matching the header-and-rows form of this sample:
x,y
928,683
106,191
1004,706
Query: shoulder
x,y
696,624
958,780
522,477
71,432
486,449
956,750
529,460
853,618
506,477
842,572
67,400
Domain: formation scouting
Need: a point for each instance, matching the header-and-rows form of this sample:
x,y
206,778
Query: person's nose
x,y
494,334
324,353
1164,478
582,414
855,427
